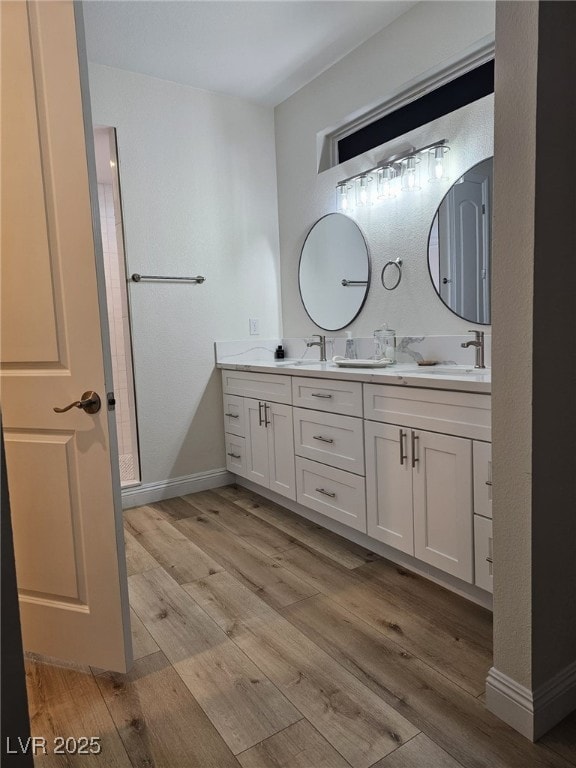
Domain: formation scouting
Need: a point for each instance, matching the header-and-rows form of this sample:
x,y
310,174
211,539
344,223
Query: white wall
x,y
198,179
422,39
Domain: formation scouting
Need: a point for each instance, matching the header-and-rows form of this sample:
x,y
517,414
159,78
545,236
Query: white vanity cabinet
x,y
419,482
259,432
410,466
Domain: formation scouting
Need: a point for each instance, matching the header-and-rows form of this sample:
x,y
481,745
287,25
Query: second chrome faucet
x,y
478,343
320,343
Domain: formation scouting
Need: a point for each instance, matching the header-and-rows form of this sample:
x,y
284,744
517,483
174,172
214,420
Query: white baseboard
x,y
469,591
148,493
532,712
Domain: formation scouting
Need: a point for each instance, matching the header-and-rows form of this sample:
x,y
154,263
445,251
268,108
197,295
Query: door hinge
x,y
111,400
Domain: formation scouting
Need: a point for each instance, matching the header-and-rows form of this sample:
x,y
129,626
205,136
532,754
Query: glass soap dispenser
x,y
350,353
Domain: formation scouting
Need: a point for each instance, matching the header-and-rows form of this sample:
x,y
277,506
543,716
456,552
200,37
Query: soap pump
x,y
350,352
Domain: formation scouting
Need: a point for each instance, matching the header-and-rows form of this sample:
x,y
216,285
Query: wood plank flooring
x,y
263,641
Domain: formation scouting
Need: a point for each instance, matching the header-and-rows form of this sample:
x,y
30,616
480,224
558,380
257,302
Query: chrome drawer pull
x,y
319,394
489,560
326,493
489,482
415,458
232,415
234,455
323,439
403,456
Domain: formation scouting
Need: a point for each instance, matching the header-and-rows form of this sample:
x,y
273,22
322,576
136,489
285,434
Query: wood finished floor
x,y
263,641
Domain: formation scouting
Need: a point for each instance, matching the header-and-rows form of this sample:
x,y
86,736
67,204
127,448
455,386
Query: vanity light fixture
x,y
363,197
386,178
410,173
405,168
343,204
438,163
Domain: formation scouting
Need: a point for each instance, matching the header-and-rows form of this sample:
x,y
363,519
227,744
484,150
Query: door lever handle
x,y
90,403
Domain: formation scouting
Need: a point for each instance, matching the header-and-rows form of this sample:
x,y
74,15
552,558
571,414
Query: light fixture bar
x,y
395,160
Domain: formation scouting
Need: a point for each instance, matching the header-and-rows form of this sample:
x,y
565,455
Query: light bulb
x,y
342,199
385,182
438,163
411,173
362,190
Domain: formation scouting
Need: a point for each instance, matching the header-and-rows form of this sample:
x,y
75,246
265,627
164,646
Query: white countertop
x,y
459,378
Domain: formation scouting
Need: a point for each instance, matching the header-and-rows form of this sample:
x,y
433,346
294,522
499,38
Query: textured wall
x,y
423,38
533,412
197,172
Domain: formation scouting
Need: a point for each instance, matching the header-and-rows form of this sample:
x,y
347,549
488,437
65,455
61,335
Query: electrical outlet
x,y
254,326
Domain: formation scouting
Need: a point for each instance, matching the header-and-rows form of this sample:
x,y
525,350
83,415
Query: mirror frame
x,y
475,322
368,278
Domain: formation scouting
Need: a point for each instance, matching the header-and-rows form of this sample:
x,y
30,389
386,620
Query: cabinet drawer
x,y
453,413
262,386
236,455
332,492
325,395
482,478
329,438
483,552
234,415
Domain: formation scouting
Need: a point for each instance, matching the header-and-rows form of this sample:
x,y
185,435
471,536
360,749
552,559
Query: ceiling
x,y
261,50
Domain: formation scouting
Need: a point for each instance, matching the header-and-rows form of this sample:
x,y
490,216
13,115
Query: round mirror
x,y
459,245
334,272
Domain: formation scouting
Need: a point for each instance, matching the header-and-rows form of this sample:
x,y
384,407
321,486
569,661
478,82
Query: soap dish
x,y
345,362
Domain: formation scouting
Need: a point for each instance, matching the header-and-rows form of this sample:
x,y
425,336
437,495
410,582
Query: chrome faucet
x,y
478,342
320,343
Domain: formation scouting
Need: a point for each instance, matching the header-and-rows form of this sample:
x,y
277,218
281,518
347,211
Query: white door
x,y
389,486
442,490
64,493
280,428
256,446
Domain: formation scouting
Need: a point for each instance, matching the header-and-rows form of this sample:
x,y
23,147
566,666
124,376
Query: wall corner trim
x,y
148,493
532,712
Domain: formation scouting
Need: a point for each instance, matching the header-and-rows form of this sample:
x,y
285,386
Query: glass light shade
x,y
410,173
438,163
343,202
363,192
386,182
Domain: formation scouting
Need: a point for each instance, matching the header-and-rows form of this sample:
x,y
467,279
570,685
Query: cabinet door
x,y
256,446
282,474
482,478
389,486
483,552
442,490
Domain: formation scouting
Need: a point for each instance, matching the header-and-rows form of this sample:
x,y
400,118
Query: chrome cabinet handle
x,y
260,422
415,459
234,455
489,482
326,493
232,415
319,394
403,456
489,560
267,421
90,402
323,439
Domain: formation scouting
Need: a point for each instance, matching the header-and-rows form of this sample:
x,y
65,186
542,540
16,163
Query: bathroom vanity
x,y
399,457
